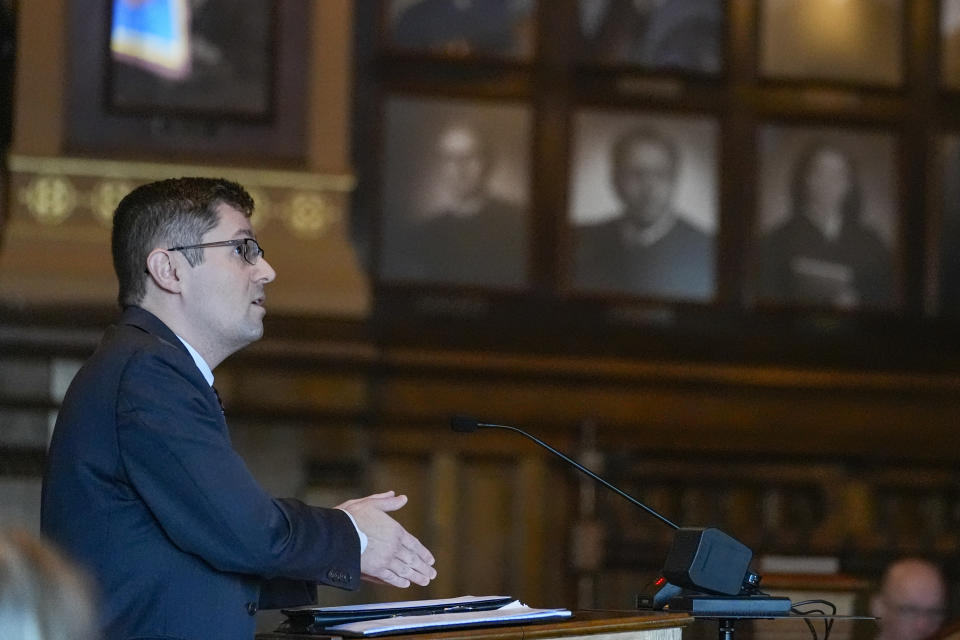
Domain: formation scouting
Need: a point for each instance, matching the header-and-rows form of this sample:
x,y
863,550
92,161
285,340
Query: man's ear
x,y
877,607
163,271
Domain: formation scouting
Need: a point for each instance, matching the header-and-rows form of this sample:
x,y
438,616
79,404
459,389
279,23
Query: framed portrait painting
x,y
856,42
643,205
947,235
950,44
657,36
455,192
462,28
213,57
190,78
827,225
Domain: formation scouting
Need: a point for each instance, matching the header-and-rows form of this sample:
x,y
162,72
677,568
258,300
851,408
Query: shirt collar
x,y
201,363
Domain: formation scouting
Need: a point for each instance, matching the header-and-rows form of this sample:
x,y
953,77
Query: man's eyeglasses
x,y
246,247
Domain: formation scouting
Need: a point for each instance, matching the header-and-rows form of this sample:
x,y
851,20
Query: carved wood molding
x,y
57,235
50,190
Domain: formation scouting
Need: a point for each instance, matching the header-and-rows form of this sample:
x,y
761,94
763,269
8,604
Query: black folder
x,y
312,619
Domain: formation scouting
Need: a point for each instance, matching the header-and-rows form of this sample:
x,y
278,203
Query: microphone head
x,y
464,424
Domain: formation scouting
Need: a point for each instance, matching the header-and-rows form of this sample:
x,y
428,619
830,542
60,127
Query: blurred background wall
x,y
808,428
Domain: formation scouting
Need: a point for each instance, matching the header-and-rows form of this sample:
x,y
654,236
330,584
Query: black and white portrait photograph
x,y
484,28
950,43
212,57
827,225
643,205
654,34
948,231
455,199
848,41
8,47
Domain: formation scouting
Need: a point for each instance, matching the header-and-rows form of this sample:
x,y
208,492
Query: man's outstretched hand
x,y
393,556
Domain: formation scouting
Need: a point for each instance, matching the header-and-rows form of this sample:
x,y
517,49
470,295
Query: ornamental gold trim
x,y
49,199
149,171
55,188
104,198
310,214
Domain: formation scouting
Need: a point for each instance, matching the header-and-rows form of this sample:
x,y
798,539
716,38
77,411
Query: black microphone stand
x,y
707,570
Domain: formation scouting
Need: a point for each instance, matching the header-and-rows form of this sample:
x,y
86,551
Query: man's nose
x,y
265,272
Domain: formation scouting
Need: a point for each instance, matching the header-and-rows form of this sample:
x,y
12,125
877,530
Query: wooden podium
x,y
590,625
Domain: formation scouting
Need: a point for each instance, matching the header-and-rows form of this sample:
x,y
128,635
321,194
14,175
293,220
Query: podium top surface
x,y
582,624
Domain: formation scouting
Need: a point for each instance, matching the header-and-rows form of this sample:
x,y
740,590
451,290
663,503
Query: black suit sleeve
x,y
280,593
176,453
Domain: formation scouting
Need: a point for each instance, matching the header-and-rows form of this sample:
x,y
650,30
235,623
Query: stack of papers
x,y
415,615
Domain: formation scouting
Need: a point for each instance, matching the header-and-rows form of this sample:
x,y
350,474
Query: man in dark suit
x,y
142,485
646,249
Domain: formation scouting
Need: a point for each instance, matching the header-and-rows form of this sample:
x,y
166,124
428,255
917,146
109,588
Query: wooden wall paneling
x,y
921,54
493,510
528,552
694,417
270,388
485,562
38,104
444,525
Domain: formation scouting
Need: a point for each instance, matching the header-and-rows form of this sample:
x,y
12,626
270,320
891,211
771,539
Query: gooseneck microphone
x,y
465,424
700,560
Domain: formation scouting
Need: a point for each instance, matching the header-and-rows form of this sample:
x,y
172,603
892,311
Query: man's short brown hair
x,y
168,213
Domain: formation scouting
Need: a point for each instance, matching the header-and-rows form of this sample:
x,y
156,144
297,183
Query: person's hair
x,y
42,595
801,168
175,212
643,135
917,560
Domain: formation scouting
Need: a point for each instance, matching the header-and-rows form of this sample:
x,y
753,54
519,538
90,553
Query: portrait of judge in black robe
x,y
824,254
948,231
648,247
950,43
446,221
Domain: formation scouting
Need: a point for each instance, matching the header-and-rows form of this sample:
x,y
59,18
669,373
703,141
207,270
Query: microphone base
x,y
709,606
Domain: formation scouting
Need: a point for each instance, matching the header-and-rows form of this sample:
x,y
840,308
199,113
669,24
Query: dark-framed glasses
x,y
246,247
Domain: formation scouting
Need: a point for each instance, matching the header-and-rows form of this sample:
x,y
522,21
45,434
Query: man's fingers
x,y
375,496
410,542
416,564
390,577
393,555
428,573
385,494
389,503
410,573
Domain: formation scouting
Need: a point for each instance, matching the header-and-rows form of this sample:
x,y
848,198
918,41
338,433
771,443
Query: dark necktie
x,y
219,401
